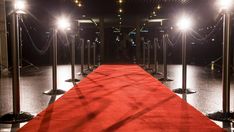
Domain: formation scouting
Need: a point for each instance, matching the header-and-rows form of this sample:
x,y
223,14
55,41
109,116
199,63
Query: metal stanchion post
x,y
73,60
148,55
16,116
184,89
149,69
99,60
184,64
225,114
156,58
143,54
82,58
89,46
165,78
94,55
54,91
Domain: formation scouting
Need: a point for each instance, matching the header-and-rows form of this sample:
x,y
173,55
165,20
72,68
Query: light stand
x,y
16,116
225,114
184,89
165,78
54,91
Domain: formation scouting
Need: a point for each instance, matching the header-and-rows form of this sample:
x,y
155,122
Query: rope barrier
x,y
46,46
199,37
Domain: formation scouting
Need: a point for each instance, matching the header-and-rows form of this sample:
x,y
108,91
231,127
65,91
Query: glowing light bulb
x,y
20,6
120,10
158,7
225,4
63,23
184,23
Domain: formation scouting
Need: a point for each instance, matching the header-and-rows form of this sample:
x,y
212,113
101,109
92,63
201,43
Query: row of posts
x,y
225,114
146,56
18,116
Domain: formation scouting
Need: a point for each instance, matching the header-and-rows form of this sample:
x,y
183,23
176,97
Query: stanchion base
x,y
181,91
165,79
221,116
11,118
95,66
54,92
88,69
72,80
82,74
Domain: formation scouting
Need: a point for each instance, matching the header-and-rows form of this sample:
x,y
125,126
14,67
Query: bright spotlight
x,y
225,4
184,23
20,6
120,10
63,24
120,1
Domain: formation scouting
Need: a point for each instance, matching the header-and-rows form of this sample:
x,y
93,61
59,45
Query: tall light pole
x,y
16,116
61,25
184,24
225,114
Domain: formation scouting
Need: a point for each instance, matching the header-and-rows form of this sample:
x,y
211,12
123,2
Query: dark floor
x,y
34,82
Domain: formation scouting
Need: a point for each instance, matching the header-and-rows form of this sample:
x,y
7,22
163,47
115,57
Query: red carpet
x,y
120,98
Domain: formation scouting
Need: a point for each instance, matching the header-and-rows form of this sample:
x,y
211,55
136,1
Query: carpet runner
x,y
121,98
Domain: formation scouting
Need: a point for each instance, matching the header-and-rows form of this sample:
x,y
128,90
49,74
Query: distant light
x,y
184,23
79,4
20,6
87,21
156,20
76,1
158,7
212,39
120,1
225,4
63,23
120,10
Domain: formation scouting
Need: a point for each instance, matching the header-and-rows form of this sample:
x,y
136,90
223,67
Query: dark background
x,y
44,12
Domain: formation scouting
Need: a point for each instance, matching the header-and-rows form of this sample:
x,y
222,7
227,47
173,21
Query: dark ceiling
x,y
202,10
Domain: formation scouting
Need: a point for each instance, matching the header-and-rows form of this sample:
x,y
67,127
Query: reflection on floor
x,y
207,99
